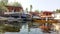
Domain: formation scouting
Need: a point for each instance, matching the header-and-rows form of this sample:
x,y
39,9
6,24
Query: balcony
x,y
12,12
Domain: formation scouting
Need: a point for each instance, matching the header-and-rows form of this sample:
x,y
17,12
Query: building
x,y
13,11
47,15
14,8
57,16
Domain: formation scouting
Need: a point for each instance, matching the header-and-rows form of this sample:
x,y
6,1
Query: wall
x,y
57,16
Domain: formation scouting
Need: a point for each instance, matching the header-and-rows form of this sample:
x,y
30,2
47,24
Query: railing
x,y
11,12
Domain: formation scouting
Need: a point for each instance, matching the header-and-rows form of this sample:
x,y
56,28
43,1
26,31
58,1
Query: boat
x,y
16,16
25,17
43,20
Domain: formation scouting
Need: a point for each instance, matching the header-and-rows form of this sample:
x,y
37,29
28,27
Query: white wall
x,y
36,17
57,16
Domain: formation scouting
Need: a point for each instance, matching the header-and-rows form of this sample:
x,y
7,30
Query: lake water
x,y
24,29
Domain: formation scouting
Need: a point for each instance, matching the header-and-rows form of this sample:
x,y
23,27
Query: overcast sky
x,y
39,4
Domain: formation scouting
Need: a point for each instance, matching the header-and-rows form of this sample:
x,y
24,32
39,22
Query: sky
x,y
41,5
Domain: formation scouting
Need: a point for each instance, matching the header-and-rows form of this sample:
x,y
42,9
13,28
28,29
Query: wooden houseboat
x,y
45,16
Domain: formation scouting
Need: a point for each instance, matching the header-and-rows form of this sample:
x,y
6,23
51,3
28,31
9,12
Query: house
x,y
43,14
14,9
47,15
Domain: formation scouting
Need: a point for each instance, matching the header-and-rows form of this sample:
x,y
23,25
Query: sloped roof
x,y
48,12
14,6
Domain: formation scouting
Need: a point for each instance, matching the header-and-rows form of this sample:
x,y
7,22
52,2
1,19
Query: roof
x,y
48,12
15,6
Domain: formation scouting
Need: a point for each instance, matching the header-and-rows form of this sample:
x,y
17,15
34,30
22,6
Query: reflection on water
x,y
21,28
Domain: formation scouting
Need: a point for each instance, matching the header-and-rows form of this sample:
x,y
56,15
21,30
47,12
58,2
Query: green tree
x,y
57,10
37,11
31,8
4,2
27,10
17,4
2,6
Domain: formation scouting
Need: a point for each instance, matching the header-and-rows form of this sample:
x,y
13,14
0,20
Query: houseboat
x,y
26,18
14,13
45,16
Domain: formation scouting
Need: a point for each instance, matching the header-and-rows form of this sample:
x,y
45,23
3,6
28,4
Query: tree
x,y
4,2
31,8
2,6
37,11
57,10
27,10
17,4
